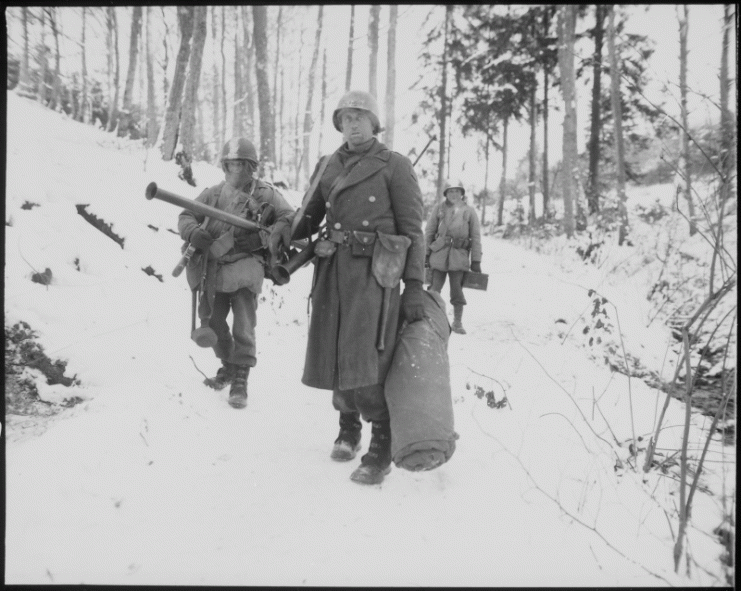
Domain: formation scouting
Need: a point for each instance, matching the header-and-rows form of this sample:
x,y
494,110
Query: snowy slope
x,y
154,479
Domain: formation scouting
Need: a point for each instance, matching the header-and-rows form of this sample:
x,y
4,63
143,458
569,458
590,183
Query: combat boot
x,y
224,376
377,462
457,316
238,391
347,444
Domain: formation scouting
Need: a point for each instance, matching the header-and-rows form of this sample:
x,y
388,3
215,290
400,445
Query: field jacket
x,y
453,237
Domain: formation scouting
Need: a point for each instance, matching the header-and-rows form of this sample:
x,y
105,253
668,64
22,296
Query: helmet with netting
x,y
358,99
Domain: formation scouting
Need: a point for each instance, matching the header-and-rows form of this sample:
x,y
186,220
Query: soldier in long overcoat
x,y
234,268
453,242
372,203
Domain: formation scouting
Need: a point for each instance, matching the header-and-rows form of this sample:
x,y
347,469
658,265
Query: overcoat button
x,y
337,226
329,204
371,198
366,222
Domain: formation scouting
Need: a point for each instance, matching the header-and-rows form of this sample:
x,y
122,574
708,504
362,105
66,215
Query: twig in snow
x,y
572,425
571,515
199,371
597,435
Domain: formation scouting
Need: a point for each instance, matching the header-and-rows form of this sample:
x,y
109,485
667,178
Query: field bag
x,y
418,393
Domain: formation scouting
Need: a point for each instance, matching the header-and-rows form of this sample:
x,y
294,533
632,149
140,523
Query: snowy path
x,y
161,482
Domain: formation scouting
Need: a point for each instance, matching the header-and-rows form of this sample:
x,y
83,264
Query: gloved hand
x,y
476,266
201,239
412,301
427,260
280,235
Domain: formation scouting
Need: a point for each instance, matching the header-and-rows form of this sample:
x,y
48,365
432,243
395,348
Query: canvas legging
x,y
456,285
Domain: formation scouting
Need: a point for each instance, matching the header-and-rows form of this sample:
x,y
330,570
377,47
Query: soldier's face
x,y
455,196
238,172
356,126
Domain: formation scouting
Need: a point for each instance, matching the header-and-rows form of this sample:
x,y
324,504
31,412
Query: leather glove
x,y
280,236
412,301
427,260
476,266
201,239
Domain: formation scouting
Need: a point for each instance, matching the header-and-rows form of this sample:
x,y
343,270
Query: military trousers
x,y
235,345
456,285
369,401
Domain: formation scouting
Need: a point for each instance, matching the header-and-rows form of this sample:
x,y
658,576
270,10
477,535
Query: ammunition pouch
x,y
389,258
362,243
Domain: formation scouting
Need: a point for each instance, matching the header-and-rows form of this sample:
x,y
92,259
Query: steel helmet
x,y
451,185
239,148
357,99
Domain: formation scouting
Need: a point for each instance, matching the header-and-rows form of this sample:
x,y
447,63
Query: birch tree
x,y
618,120
238,97
683,17
391,78
264,98
42,60
24,83
566,29
56,98
276,117
594,133
443,113
136,22
152,127
348,71
112,23
190,96
84,103
172,114
375,12
215,106
310,91
249,95
322,104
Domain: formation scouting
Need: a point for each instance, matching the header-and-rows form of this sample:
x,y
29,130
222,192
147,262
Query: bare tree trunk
x,y
727,155
217,139
276,118
594,133
166,61
618,119
223,76
308,120
84,108
391,78
503,181
324,99
24,83
151,91
113,107
443,113
281,127
42,59
238,121
136,22
264,98
57,88
297,133
348,71
546,84
375,12
683,13
566,27
486,180
249,48
190,98
532,164
172,114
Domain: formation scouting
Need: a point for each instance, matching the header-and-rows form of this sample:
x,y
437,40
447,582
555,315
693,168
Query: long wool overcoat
x,y
380,194
455,222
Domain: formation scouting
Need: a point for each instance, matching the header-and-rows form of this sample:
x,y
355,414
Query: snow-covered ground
x,y
154,479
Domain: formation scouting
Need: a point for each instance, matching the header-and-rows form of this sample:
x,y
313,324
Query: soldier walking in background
x,y
228,267
373,208
453,238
